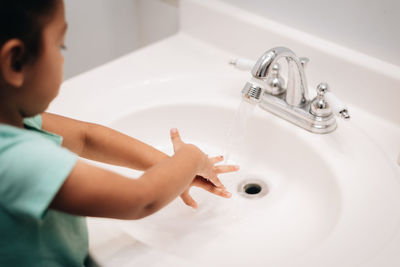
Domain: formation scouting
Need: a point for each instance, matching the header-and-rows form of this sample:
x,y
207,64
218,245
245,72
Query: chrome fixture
x,y
293,102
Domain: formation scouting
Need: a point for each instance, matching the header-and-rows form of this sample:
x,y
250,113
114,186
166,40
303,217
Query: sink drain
x,y
252,188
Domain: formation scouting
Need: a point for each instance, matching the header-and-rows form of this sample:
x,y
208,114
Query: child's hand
x,y
207,177
206,185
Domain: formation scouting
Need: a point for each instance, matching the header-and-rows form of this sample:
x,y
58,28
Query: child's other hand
x,y
207,177
206,185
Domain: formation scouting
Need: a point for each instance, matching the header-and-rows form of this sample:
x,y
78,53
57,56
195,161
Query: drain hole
x,y
252,189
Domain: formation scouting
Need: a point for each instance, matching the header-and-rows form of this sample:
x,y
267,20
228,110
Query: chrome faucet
x,y
297,90
292,103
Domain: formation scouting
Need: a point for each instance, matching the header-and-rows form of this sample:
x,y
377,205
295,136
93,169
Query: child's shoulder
x,y
18,144
32,132
32,154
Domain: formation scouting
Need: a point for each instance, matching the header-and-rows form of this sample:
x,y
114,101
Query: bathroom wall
x,y
157,19
103,30
369,26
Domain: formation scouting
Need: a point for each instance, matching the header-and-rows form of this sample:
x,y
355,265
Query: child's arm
x,y
103,144
96,142
92,191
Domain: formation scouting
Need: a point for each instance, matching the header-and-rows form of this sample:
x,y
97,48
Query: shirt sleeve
x,y
31,173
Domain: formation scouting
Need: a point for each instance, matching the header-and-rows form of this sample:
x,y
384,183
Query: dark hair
x,y
24,20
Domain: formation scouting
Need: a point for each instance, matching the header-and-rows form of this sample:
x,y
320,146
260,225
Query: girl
x,y
45,188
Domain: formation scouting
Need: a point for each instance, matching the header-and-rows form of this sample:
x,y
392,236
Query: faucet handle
x,y
275,81
326,102
319,106
304,61
322,89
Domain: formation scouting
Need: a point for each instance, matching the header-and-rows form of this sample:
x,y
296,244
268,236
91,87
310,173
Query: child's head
x,y
31,63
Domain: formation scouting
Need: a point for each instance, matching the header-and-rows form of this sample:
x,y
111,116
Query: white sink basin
x,y
327,194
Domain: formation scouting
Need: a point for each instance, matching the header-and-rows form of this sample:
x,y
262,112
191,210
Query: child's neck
x,y
10,114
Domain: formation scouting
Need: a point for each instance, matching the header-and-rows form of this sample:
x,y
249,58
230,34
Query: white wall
x,y
157,19
98,31
102,30
369,26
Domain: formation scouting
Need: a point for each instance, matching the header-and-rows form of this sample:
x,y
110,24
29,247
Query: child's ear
x,y
11,62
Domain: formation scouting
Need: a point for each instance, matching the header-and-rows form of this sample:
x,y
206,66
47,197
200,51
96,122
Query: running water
x,y
233,150
237,132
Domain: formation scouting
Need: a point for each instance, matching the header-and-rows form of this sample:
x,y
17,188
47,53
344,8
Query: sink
x,y
330,200
328,197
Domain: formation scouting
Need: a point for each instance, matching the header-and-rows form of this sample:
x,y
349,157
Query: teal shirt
x,y
33,167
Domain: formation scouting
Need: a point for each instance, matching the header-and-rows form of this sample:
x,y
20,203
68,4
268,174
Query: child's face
x,y
43,78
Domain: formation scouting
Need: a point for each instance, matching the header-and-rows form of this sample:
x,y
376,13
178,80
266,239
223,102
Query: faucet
x,y
293,103
297,90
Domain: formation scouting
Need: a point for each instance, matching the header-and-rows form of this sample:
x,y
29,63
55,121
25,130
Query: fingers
x,y
176,139
225,168
188,200
206,185
214,160
214,179
211,188
222,168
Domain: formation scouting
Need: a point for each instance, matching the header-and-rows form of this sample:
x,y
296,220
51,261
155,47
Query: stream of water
x,y
233,152
237,133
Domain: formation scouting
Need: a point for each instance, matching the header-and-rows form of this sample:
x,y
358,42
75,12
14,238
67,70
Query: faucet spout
x,y
297,91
